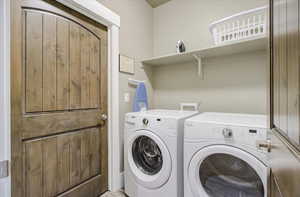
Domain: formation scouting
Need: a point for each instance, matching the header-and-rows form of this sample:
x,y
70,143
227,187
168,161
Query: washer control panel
x,y
144,122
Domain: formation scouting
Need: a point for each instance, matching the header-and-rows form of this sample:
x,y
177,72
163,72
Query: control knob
x,y
145,121
227,133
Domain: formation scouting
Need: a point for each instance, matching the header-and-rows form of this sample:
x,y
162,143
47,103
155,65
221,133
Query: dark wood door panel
x,y
52,6
59,91
279,67
73,157
91,188
63,64
293,70
285,166
283,89
276,62
286,68
50,86
284,156
274,188
49,124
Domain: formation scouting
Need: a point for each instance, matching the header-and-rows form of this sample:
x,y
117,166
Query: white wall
x,y
4,92
136,41
189,20
146,32
232,84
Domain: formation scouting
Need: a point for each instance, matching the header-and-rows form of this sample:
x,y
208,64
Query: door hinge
x,y
4,169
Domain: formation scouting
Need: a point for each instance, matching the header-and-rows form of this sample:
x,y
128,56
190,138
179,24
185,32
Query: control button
x,y
227,133
254,131
145,121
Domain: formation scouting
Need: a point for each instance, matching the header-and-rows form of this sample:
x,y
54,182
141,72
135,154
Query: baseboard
x,y
118,184
121,181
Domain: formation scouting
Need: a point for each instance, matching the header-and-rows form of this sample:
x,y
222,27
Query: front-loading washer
x,y
221,157
153,153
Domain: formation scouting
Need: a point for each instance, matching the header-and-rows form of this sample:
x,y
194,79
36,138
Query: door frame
x,y
100,14
5,91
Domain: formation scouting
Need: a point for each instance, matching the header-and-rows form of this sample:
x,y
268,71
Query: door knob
x,y
104,117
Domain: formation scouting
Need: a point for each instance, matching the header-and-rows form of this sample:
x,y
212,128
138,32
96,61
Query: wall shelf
x,y
243,46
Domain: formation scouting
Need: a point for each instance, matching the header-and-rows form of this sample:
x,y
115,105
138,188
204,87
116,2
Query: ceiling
x,y
156,3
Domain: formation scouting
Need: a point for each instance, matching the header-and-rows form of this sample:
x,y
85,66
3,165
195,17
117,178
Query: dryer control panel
x,y
228,133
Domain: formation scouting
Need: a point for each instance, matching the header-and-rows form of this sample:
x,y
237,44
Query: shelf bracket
x,y
200,65
134,82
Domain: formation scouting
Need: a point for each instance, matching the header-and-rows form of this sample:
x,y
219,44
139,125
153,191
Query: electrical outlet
x,y
4,169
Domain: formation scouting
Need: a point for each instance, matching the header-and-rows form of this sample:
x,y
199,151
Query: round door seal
x,y
194,166
147,180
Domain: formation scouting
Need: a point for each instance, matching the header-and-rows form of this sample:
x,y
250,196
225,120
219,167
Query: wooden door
x,y
274,188
284,158
59,92
286,70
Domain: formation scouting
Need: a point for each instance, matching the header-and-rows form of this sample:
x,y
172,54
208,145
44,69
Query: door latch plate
x,y
4,166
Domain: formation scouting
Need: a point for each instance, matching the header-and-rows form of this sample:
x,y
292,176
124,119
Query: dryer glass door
x,y
147,155
224,175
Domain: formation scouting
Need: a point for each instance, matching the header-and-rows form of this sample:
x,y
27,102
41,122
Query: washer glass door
x,y
147,155
223,175
149,159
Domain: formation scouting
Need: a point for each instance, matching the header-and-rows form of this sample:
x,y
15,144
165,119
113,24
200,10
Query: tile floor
x,y
114,194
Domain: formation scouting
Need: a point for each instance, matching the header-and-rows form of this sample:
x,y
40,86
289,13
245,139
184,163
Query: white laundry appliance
x,y
222,158
153,153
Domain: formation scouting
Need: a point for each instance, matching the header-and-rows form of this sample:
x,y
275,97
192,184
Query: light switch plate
x,y
127,97
4,169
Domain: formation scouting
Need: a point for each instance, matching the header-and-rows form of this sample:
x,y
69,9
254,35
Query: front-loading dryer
x,y
153,153
221,157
